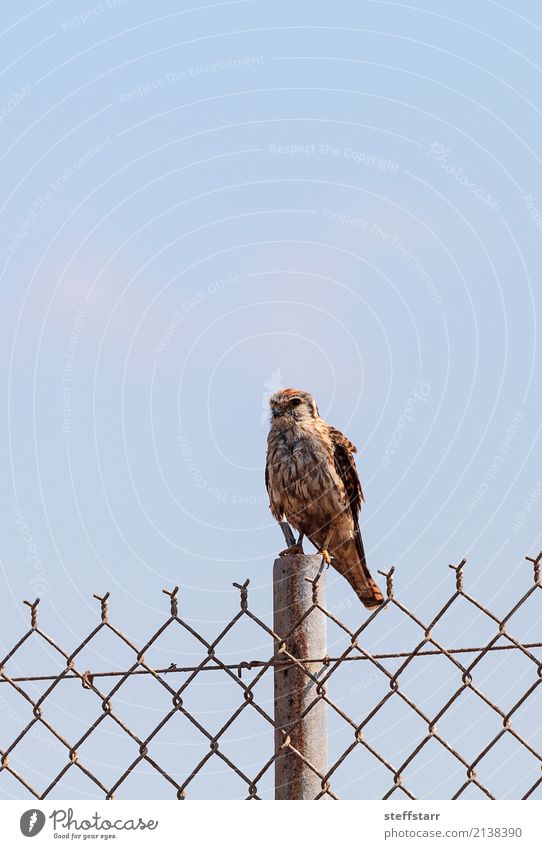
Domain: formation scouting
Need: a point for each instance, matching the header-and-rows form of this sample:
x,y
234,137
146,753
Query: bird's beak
x,y
276,412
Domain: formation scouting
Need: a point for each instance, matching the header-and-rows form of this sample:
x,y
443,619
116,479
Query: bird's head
x,y
292,405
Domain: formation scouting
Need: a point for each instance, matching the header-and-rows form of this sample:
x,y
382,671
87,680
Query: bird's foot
x,y
297,548
326,555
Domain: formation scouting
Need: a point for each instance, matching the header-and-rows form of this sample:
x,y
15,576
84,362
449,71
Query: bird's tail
x,y
349,560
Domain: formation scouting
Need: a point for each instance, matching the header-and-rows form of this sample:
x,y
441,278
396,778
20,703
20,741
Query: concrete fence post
x,y
294,690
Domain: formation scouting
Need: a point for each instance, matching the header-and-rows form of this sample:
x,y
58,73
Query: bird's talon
x,y
292,549
326,555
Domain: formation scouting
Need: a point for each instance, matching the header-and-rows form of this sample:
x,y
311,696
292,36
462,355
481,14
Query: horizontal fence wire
x,y
426,646
255,664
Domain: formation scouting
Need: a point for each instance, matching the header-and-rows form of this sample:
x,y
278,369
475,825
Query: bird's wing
x,y
350,561
343,456
276,507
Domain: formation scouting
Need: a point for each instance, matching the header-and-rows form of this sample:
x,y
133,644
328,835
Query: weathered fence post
x,y
294,689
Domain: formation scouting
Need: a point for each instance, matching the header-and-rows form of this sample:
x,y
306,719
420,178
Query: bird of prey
x,y
313,484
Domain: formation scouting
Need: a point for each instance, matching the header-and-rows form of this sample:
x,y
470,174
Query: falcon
x,y
313,484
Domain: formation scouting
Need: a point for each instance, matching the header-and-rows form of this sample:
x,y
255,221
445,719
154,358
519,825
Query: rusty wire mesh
x,y
102,687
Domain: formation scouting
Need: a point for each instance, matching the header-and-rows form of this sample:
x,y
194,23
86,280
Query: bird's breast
x,y
301,469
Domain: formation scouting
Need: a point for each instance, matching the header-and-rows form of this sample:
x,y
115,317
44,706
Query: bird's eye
x,y
295,402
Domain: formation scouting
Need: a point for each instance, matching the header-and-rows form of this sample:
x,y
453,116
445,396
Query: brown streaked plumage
x,y
313,483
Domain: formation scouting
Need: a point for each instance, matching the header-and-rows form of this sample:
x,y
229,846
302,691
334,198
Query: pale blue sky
x,y
202,204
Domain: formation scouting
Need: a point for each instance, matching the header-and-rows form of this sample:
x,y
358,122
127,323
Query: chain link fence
x,y
517,717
